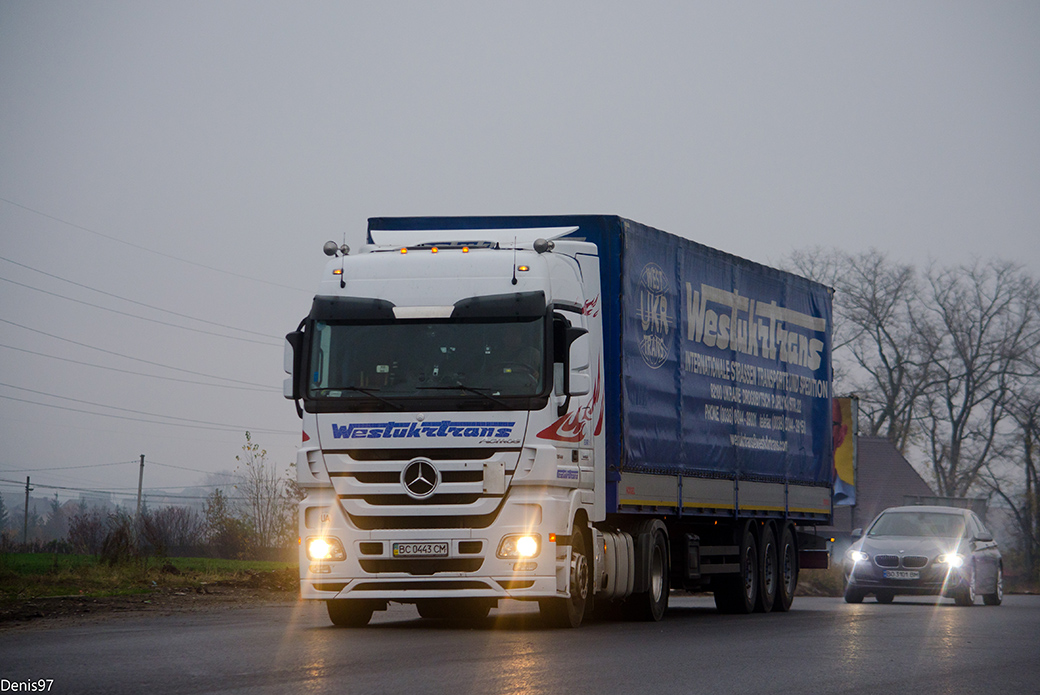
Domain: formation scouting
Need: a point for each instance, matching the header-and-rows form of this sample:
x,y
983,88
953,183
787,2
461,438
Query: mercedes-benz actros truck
x,y
581,411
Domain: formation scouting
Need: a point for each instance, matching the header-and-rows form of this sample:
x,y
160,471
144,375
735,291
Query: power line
x,y
127,371
135,359
66,468
131,301
145,248
125,492
136,316
219,428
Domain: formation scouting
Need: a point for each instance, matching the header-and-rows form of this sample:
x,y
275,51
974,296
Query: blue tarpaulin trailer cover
x,y
715,366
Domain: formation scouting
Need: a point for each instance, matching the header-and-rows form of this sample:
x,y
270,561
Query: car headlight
x,y
954,560
519,546
325,548
857,556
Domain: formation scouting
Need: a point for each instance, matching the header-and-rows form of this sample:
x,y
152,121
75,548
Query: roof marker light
x,y
404,250
434,250
465,249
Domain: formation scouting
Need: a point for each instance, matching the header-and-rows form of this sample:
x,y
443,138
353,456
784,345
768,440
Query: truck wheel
x,y
652,604
767,570
738,593
456,611
569,611
350,612
787,560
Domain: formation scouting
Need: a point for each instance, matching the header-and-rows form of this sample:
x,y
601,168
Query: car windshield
x,y
427,359
918,524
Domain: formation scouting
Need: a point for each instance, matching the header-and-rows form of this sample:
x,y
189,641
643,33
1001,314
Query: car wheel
x,y
997,596
966,595
884,596
853,595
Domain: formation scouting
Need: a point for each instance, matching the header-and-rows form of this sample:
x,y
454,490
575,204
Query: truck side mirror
x,y
292,362
579,383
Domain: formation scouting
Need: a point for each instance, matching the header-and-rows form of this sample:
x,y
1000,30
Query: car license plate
x,y
420,549
902,574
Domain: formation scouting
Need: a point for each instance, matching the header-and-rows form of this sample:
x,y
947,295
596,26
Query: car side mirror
x,y
857,534
985,538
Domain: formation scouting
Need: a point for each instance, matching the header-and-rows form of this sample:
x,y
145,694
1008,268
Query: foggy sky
x,y
194,157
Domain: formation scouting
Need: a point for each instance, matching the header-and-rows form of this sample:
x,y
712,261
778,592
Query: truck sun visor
x,y
515,304
351,309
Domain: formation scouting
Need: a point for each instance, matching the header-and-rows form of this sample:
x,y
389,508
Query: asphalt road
x,y
822,646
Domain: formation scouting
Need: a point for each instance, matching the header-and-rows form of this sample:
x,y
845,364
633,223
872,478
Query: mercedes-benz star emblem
x,y
420,478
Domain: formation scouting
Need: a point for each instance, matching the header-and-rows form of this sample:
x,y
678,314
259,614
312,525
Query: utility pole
x,y
140,482
25,527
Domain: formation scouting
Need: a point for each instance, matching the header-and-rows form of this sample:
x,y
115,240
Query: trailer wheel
x,y
738,593
569,611
349,612
787,556
767,570
652,604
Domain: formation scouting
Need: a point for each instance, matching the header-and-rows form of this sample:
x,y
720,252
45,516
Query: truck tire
x,y
350,612
738,593
651,604
768,575
569,611
457,611
787,566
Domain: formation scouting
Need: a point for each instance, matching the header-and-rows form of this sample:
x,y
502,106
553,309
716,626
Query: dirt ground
x,y
224,595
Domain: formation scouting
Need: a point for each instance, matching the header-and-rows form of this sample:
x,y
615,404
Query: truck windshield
x,y
435,359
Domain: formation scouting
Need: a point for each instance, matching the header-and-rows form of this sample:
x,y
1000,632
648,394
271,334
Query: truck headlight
x,y
520,546
954,560
325,548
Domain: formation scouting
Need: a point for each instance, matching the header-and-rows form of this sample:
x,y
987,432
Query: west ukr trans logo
x,y
441,429
655,318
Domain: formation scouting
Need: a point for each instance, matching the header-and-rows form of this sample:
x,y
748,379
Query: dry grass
x,y
28,576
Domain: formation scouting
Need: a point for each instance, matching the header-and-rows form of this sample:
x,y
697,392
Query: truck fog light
x,y
325,548
525,566
519,546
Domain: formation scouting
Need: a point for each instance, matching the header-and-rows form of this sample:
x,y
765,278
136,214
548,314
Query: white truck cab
x,y
450,385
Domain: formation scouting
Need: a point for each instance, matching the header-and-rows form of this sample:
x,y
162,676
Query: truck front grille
x,y
411,484
424,567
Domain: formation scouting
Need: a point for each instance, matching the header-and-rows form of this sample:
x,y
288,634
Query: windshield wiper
x,y
469,389
371,394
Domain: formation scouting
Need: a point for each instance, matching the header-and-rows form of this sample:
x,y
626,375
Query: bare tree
x,y
878,351
982,331
261,489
